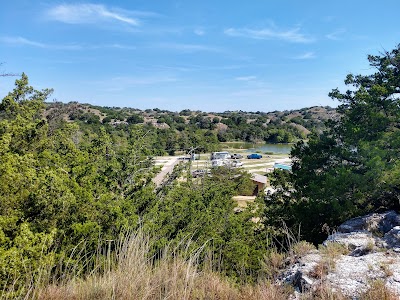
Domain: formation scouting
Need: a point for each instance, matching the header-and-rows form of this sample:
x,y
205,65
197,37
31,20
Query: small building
x,y
260,181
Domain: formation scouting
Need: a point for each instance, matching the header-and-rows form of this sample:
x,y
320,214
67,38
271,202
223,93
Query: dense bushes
x,y
65,190
61,187
353,167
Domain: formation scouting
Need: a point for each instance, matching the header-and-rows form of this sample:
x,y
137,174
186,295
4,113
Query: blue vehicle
x,y
254,156
282,167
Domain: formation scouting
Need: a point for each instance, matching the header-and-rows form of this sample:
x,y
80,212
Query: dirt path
x,y
166,169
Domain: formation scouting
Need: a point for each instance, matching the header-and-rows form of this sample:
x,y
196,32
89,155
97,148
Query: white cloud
x,y
199,32
335,36
293,35
251,93
328,18
121,83
246,78
307,55
89,13
143,80
113,46
189,47
20,41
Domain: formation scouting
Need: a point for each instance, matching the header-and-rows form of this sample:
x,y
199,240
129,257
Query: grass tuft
x,y
379,291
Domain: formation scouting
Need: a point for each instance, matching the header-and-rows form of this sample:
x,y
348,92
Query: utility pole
x,y
191,151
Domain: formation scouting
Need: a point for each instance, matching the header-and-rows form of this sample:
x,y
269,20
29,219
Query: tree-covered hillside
x,y
185,129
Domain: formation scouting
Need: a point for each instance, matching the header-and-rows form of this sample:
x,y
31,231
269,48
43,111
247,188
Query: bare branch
x,y
8,74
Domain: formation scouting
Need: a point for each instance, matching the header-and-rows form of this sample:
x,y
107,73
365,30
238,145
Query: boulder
x,y
392,239
375,223
297,275
353,275
373,242
358,243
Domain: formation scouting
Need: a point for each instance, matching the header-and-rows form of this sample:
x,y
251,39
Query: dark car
x,y
254,156
236,156
200,173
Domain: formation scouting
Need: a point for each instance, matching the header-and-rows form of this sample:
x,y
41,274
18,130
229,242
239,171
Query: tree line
x,y
177,131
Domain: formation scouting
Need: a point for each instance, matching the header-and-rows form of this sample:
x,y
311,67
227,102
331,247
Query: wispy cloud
x,y
336,35
189,47
121,83
92,13
261,92
143,80
307,55
292,35
113,46
21,41
246,78
328,18
199,31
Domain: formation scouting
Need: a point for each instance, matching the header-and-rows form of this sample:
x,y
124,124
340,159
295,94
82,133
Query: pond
x,y
262,148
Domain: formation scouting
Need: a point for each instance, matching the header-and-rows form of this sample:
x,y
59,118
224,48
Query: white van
x,y
220,155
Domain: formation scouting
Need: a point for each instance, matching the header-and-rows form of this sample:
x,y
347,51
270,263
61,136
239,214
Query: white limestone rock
x,y
374,242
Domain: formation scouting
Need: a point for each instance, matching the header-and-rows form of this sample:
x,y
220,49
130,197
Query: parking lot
x,y
259,166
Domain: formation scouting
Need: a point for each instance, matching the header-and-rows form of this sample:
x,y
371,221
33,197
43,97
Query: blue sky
x,y
208,55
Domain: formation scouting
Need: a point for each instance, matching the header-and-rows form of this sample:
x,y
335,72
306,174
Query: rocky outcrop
x,y
374,223
362,250
299,273
392,239
363,234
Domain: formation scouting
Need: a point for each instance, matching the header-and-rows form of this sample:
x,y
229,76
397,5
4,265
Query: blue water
x,y
262,148
275,148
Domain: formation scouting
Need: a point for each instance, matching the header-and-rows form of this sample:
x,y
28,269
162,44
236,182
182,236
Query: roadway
x,y
168,166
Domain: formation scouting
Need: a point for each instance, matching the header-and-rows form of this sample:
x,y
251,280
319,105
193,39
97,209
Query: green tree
x,y
353,167
66,187
135,119
204,213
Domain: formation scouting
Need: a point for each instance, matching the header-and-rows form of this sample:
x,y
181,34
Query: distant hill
x,y
187,127
305,120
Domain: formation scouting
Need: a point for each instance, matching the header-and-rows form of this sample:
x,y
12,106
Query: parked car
x,y
184,158
236,156
200,173
237,163
254,156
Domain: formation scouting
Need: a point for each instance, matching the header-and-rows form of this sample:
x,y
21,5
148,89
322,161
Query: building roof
x,y
259,178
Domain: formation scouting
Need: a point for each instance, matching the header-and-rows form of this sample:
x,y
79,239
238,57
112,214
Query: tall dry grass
x,y
125,271
129,273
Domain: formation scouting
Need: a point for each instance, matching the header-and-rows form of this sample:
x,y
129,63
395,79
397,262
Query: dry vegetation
x,y
330,253
131,274
378,291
